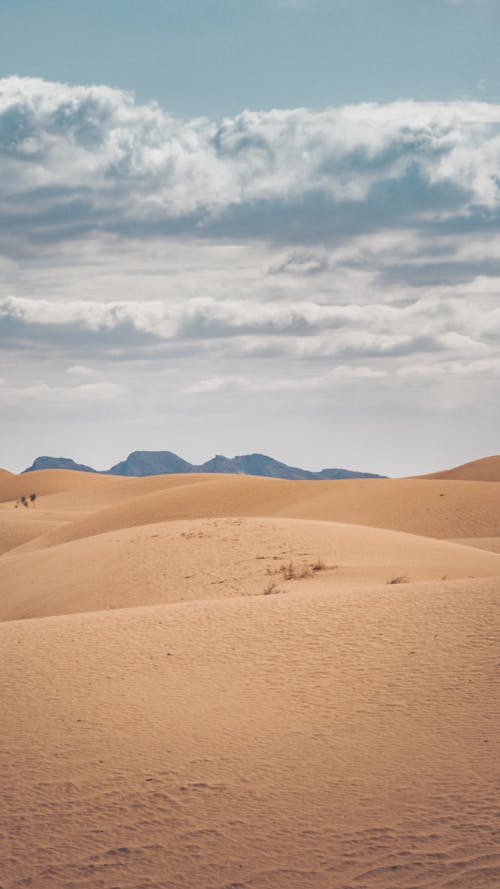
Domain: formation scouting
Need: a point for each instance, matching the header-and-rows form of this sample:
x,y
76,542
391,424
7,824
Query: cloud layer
x,y
92,157
151,263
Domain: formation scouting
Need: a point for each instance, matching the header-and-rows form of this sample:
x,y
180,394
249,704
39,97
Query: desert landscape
x,y
231,682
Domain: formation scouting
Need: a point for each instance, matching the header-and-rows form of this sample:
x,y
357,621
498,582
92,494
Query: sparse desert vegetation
x,y
292,571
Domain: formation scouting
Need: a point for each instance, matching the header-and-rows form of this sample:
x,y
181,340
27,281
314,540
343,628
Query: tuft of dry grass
x,y
272,589
399,578
291,571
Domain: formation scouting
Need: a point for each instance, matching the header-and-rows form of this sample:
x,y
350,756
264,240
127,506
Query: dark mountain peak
x,y
58,463
219,463
143,463
345,473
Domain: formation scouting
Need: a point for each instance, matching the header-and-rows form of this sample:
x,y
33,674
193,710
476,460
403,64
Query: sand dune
x,y
485,470
430,508
417,506
306,740
214,558
181,709
52,481
65,490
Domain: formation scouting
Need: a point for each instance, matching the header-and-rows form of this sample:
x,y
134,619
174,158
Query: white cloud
x,y
93,156
80,370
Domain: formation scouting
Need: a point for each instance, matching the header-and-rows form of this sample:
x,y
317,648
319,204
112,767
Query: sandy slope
x,y
485,470
492,544
273,742
185,730
214,558
18,525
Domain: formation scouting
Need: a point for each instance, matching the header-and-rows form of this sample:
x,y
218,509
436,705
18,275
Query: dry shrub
x,y
271,589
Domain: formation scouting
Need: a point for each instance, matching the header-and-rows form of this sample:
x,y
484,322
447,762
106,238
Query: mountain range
x,y
144,463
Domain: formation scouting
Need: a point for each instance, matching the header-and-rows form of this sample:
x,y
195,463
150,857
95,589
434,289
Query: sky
x,y
229,227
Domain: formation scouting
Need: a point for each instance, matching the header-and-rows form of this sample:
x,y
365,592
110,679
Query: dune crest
x,y
485,470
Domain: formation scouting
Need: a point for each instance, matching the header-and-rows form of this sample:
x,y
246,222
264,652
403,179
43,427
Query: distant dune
x,y
213,681
53,481
101,504
485,470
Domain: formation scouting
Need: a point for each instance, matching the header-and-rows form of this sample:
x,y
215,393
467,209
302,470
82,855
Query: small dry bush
x,y
291,571
271,589
400,578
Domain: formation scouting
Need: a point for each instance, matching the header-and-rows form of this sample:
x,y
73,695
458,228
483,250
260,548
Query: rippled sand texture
x,y
225,690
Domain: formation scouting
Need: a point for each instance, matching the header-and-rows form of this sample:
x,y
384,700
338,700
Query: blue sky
x,y
217,57
235,227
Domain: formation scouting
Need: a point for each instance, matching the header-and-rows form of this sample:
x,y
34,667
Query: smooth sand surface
x,y
181,709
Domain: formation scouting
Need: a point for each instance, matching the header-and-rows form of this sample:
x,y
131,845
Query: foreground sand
x,y
336,731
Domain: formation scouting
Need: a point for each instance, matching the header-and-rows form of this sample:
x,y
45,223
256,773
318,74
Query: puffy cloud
x,y
75,157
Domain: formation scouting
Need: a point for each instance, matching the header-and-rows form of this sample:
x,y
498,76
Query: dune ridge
x,y
486,469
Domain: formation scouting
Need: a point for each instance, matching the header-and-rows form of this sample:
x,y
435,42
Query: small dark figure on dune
x,y
32,499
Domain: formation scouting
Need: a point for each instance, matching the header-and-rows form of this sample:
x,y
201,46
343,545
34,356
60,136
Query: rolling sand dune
x,y
485,470
79,493
182,710
65,488
430,508
52,481
214,558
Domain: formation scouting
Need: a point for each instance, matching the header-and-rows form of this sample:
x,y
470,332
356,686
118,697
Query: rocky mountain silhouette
x,y
145,463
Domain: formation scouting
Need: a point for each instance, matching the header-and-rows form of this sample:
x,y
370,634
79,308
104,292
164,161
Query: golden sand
x,y
214,682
